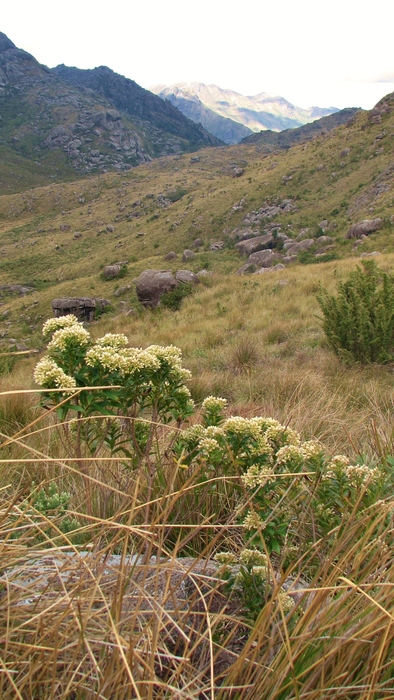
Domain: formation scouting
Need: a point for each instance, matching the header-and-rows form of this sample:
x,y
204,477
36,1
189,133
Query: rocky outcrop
x,y
248,246
84,308
295,248
364,228
111,271
151,285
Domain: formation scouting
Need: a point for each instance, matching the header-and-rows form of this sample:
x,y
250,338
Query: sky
x,y
337,54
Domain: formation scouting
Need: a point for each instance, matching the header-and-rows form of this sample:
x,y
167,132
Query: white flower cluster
x,y
125,361
252,521
279,433
74,334
113,340
311,449
361,474
287,602
49,375
257,475
225,558
253,557
242,426
54,324
289,454
208,445
213,403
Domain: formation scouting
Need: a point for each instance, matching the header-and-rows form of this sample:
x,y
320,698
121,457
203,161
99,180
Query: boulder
x,y
364,227
111,271
237,172
324,240
187,255
217,245
84,308
152,284
186,277
64,227
246,269
251,245
275,268
264,258
110,228
197,243
344,152
300,246
170,256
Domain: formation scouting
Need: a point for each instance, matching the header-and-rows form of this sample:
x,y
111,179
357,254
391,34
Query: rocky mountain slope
x,y
53,128
211,105
225,210
290,137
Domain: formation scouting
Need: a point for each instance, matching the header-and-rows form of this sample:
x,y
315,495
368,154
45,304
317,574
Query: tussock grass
x,y
125,608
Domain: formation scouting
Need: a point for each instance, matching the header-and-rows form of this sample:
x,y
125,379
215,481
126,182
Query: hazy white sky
x,y
337,53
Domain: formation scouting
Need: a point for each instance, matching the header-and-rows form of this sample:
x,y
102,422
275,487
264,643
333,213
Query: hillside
x,y
53,129
214,106
290,137
56,239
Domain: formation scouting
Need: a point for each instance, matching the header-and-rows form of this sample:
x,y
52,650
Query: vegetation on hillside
x,y
237,547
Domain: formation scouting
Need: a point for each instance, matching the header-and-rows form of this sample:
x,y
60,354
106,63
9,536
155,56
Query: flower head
x,y
54,324
49,375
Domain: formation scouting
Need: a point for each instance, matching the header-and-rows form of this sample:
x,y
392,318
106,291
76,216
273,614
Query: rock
x,y
152,284
237,172
364,227
289,259
344,152
187,255
77,234
203,273
264,258
370,255
197,243
84,308
111,271
252,245
186,277
275,268
122,290
217,245
324,225
64,227
300,246
246,269
110,228
170,256
16,288
324,240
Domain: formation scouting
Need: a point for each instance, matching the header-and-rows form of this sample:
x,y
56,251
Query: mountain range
x,y
231,116
66,121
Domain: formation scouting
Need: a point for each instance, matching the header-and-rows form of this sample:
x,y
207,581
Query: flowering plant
x,y
136,388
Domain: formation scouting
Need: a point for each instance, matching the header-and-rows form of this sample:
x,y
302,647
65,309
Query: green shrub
x,y
173,299
359,321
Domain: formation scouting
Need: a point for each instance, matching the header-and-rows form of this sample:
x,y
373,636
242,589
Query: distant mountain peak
x,y
231,116
5,43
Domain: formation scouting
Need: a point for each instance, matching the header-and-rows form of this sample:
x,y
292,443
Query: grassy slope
x,y
250,338
256,341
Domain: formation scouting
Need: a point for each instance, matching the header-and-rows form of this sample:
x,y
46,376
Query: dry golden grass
x,y
129,616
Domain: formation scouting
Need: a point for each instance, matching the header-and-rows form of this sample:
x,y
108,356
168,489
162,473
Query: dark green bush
x,y
173,300
359,321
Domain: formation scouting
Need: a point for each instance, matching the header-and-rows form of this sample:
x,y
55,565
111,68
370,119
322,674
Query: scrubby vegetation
x,y
156,548
196,500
